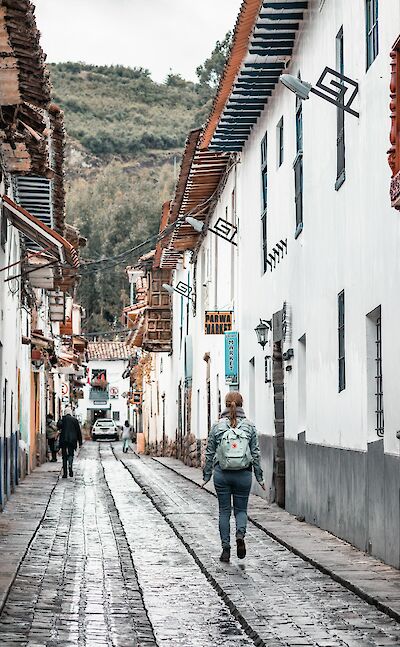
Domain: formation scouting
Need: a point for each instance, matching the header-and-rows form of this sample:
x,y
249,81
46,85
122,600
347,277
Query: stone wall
x,y
193,450
354,495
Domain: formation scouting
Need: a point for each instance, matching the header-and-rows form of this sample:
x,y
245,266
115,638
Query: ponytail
x,y
232,414
232,401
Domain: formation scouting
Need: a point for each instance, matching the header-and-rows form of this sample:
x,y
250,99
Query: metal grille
x,y
378,380
341,339
35,195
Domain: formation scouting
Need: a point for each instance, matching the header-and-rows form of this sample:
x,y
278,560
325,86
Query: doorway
x,y
4,467
164,443
279,423
179,439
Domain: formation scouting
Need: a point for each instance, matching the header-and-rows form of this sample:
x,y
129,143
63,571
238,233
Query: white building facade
x,y
106,391
317,259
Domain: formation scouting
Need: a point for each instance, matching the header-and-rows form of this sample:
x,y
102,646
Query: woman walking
x,y
52,434
126,436
233,453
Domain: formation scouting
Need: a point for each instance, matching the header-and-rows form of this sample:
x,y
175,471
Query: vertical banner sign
x,y
232,358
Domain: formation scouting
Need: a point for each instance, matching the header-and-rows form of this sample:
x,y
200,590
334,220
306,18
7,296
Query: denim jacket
x,y
214,440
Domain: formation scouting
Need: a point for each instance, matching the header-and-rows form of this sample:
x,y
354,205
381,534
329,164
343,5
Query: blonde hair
x,y
233,400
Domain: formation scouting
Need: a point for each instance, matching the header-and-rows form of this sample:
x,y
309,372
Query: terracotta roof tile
x,y
108,350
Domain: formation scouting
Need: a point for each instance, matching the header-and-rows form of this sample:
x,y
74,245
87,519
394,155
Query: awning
x,y
38,232
98,406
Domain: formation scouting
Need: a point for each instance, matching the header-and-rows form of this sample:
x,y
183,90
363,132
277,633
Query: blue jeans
x,y
230,485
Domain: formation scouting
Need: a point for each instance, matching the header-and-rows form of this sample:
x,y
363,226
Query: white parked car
x,y
105,428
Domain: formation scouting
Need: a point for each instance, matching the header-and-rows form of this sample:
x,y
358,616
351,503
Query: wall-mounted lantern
x,y
262,332
288,355
332,86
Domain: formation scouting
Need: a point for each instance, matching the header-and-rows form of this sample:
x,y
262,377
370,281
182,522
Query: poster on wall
x,y
232,358
217,322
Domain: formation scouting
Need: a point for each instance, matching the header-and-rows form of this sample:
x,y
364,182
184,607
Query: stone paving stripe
x,y
21,520
76,586
372,580
282,597
171,580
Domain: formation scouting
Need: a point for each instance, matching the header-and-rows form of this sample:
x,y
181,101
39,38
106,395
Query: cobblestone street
x,y
128,554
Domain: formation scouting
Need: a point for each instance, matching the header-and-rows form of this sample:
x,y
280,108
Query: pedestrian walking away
x,y
126,436
232,454
52,434
70,438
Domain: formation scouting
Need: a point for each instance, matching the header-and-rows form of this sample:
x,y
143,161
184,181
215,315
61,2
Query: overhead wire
x,y
112,261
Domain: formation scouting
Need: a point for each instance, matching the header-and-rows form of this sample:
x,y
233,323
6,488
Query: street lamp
x,y
196,224
262,332
332,86
223,228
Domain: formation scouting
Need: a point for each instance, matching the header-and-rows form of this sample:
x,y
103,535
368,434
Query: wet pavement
x,y
127,555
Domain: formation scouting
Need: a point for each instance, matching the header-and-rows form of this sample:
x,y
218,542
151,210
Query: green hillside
x,y
125,138
121,111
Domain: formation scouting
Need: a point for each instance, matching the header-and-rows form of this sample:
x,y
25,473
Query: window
x,y
341,339
264,196
302,383
264,241
233,249
340,135
371,30
298,167
115,415
268,369
279,138
3,232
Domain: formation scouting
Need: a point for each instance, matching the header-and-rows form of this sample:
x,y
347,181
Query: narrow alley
x,y
127,555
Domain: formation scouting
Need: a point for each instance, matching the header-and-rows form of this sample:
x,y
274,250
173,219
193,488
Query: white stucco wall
x,y
350,242
114,370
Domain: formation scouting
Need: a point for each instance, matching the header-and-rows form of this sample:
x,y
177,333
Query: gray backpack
x,y
233,452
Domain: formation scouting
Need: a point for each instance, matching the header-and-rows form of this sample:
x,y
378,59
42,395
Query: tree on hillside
x,y
211,71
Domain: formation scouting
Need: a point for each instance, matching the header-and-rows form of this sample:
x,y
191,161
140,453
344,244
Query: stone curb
x,y
381,604
5,588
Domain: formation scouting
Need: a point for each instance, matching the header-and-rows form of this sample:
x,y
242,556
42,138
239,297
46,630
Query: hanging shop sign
x,y
232,358
114,392
217,322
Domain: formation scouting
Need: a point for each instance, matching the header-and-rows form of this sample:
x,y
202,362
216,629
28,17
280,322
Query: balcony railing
x,y
98,394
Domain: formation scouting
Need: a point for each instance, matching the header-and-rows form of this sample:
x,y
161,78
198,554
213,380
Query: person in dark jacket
x,y
70,438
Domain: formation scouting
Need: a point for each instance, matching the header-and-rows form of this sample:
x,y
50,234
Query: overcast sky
x,y
157,34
